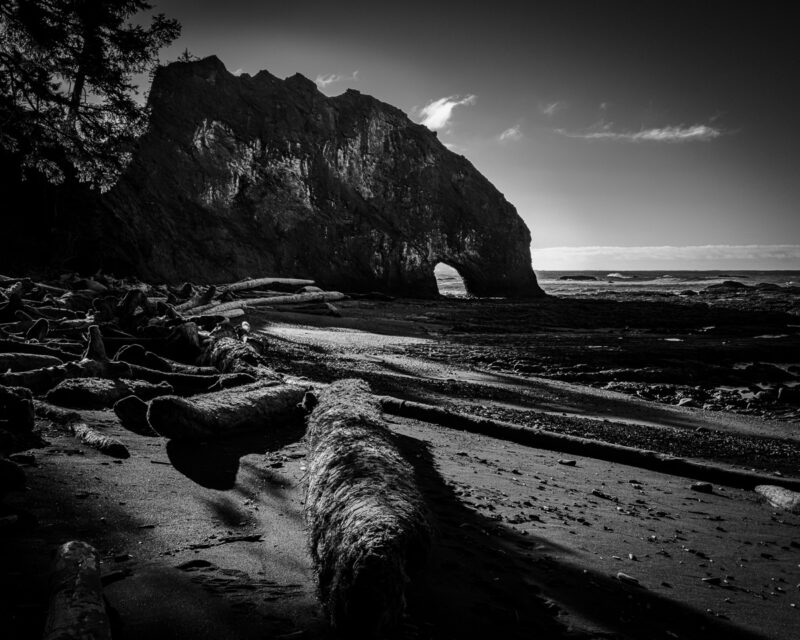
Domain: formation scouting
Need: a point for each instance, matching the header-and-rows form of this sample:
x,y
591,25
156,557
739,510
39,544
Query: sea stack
x,y
243,175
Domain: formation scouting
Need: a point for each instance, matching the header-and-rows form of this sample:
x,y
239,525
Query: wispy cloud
x,y
680,133
435,115
512,133
551,108
714,256
332,78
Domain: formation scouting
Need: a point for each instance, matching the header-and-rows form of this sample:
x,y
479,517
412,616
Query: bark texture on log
x,y
96,393
229,354
368,523
225,413
77,610
96,440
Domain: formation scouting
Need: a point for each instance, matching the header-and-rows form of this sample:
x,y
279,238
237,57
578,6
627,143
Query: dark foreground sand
x,y
207,540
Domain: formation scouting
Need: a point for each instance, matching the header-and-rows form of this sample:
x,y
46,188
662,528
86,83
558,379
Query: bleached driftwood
x,y
298,298
254,283
96,440
225,413
198,300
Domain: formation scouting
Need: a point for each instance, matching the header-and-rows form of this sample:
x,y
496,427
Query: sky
x,y
627,134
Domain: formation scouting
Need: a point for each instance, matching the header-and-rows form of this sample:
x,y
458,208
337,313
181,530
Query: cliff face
x,y
248,176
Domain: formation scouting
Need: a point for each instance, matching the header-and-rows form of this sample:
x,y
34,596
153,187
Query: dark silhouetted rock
x,y
257,176
727,285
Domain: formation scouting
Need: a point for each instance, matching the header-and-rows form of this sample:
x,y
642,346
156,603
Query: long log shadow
x,y
486,580
214,463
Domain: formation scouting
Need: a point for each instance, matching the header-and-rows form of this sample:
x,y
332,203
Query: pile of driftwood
x,y
170,363
92,343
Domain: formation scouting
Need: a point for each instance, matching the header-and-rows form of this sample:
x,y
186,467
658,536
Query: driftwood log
x,y
255,283
76,609
229,354
368,524
95,364
225,413
137,354
298,298
104,444
132,414
14,346
96,393
26,361
199,299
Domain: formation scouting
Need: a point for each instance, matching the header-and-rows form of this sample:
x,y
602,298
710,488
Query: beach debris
x,y
226,413
76,608
602,494
780,498
624,577
702,487
104,444
228,353
369,529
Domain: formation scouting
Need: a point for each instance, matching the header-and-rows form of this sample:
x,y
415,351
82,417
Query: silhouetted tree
x,y
68,107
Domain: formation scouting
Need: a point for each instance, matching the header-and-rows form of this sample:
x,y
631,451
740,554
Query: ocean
x,y
566,283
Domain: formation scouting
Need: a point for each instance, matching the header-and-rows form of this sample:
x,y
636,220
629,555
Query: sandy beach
x,y
207,540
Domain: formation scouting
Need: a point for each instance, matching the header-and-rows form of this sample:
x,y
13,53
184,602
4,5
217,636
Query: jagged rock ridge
x,y
245,176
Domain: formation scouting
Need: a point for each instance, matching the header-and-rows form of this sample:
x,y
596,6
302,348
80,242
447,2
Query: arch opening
x,y
449,281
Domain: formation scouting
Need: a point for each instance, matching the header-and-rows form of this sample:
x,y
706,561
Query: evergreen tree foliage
x,y
68,99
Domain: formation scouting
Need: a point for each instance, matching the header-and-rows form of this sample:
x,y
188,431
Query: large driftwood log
x,y
77,610
95,364
368,524
132,414
96,393
26,361
15,346
225,413
137,354
255,283
299,298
